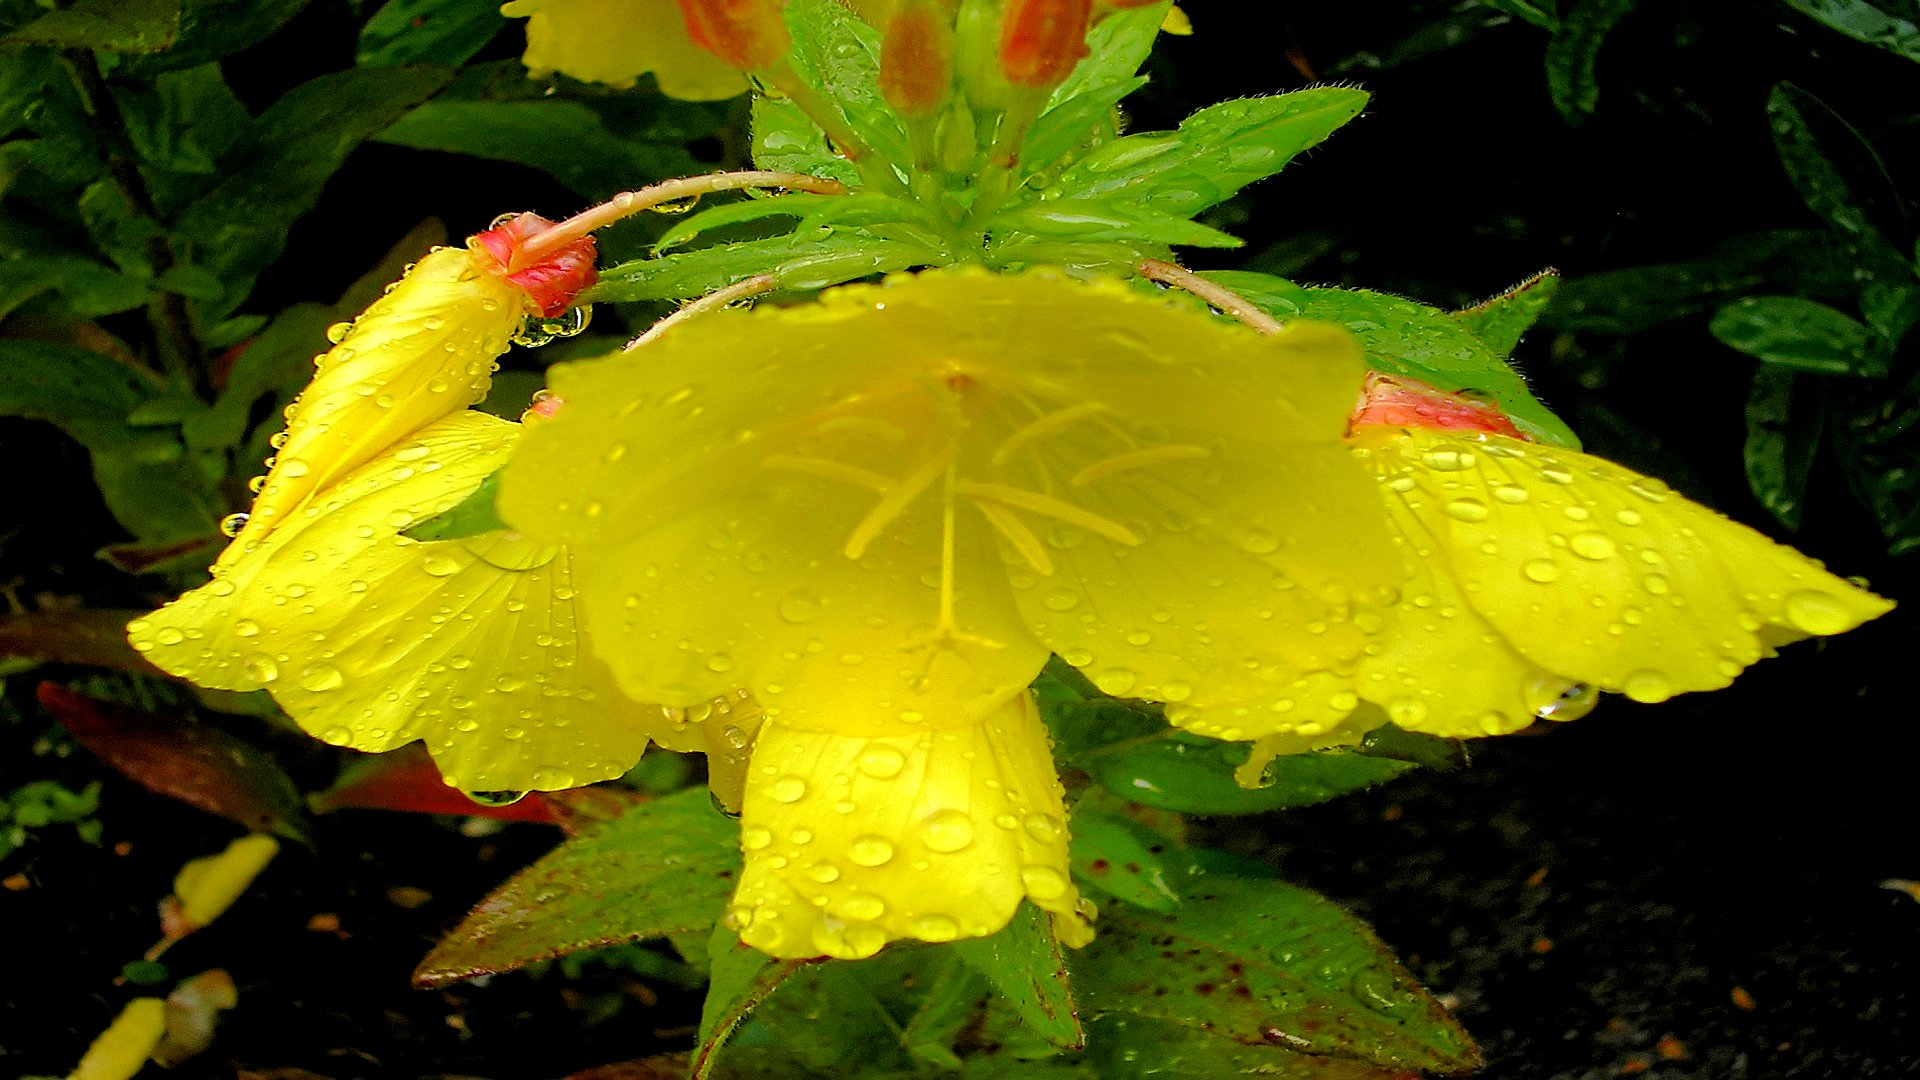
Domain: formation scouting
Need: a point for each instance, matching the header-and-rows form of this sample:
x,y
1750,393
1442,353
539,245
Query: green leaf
x,y
1799,334
182,122
1782,440
1843,181
118,230
1259,963
836,53
240,226
1864,20
793,204
1101,220
212,29
427,32
1196,776
951,1005
89,287
1122,857
1572,52
835,1018
1216,152
1500,322
1066,127
1120,1041
1876,431
796,262
125,26
1634,299
742,977
1082,107
565,139
84,393
667,867
1403,337
1025,964
1529,11
471,516
784,140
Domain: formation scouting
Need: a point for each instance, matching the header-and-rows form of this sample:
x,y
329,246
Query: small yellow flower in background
x,y
205,888
121,1051
617,41
370,640
1538,574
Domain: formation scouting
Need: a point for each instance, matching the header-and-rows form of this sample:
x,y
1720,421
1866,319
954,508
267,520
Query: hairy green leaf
x,y
666,867
796,263
1196,776
1876,431
1214,153
795,204
1500,322
1800,334
1123,858
784,140
838,54
742,977
1103,220
1024,962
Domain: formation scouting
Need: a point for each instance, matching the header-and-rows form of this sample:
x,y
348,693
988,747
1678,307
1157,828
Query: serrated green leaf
x,y
794,204
471,516
1841,179
835,1018
1265,964
1864,20
239,227
952,1003
1783,435
742,977
1214,153
125,26
1500,322
1403,337
427,32
796,263
666,867
1024,962
1572,53
565,139
1066,127
1122,857
1105,220
1799,334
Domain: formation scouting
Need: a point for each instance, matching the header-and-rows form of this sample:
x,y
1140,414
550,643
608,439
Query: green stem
x,y
875,170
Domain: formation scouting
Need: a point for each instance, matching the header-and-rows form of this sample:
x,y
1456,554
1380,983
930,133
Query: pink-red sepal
x,y
554,281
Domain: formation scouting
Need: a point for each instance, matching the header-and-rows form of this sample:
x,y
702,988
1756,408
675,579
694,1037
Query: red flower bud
x,y
747,34
554,281
916,59
1394,401
1042,40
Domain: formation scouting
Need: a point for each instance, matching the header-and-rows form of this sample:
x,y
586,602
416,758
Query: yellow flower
x,y
121,1051
853,841
371,640
882,511
1537,575
616,41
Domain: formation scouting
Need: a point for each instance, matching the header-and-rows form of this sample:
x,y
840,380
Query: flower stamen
x,y
828,469
1044,428
1137,459
1009,525
1022,499
896,501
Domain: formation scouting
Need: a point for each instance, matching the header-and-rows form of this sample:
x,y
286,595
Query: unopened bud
x,y
556,279
747,34
1042,40
916,58
1397,401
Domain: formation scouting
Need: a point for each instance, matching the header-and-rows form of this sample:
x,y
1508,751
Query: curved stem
x,y
713,301
628,203
1224,299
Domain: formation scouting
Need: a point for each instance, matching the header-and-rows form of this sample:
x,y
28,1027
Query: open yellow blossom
x,y
372,640
617,41
854,841
880,512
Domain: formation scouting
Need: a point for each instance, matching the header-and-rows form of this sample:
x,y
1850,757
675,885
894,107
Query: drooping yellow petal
x,y
205,888
121,1051
1601,575
424,350
371,640
617,41
765,494
853,842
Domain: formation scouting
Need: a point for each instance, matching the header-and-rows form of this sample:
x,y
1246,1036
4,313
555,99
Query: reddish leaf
x,y
407,780
577,809
96,637
199,765
662,1067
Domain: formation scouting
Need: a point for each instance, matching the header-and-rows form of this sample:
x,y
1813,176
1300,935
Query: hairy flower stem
x,y
628,203
713,301
1225,300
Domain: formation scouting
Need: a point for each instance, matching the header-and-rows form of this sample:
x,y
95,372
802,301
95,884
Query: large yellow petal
x,y
424,350
617,41
854,842
855,453
1601,575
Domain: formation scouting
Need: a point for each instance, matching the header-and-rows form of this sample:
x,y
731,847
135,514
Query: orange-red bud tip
x,y
1393,401
916,59
747,34
555,280
1042,40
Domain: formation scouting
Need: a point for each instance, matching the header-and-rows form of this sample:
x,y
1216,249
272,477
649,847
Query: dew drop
x,y
496,798
231,525
170,635
1062,600
321,677
1468,510
337,735
1817,613
1542,571
1115,681
755,837
824,873
1511,494
1648,686
263,669
246,628
798,607
947,831
1043,882
722,662
870,850
1592,545
293,466
788,789
1044,828
882,762
439,564
934,927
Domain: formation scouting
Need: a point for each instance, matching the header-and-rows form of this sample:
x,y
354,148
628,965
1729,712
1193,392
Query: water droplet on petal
x,y
1648,686
882,762
1817,613
496,798
1115,681
1043,882
231,525
755,837
1468,510
947,831
870,850
439,563
1592,545
1543,571
788,789
933,927
320,677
